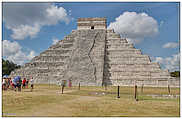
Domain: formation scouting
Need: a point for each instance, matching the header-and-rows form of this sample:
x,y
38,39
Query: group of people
x,y
16,83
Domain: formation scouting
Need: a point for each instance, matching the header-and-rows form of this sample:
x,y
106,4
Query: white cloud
x,y
24,31
170,45
10,48
26,19
12,51
135,26
161,23
56,14
171,63
31,55
54,41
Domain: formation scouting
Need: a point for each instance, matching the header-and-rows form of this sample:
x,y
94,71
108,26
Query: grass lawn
x,y
47,100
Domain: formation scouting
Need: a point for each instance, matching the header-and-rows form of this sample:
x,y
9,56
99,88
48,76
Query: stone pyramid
x,y
93,56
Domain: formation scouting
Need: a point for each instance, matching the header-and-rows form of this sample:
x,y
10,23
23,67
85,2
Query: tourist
x,y
23,83
11,84
4,84
19,85
27,83
8,82
14,84
31,84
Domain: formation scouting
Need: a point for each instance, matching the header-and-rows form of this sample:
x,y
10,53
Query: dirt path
x,y
58,109
54,109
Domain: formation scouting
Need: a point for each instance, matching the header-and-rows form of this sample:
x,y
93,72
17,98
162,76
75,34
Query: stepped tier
x,y
51,59
122,52
112,35
124,64
94,56
119,46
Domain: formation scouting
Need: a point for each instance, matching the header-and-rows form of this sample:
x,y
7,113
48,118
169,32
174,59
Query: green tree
x,y
175,74
8,66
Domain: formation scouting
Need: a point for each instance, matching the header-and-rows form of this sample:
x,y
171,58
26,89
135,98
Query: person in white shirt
x,y
31,83
4,84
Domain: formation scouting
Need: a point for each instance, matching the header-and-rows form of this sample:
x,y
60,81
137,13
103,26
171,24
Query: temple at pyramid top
x,y
91,23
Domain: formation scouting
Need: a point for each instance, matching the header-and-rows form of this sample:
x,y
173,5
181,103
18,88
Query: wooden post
x,y
105,86
49,82
118,93
79,86
169,91
142,89
136,93
62,88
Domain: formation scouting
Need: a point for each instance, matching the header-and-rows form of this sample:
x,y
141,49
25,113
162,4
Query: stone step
x,y
124,40
64,45
132,66
140,79
134,72
117,69
61,44
120,48
113,35
127,56
122,45
129,61
45,64
52,55
144,64
110,31
51,58
38,72
55,52
73,31
126,73
45,70
137,77
124,51
154,74
71,40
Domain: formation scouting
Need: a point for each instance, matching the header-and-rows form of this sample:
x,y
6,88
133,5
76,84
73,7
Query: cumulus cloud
x,y
161,23
10,48
170,45
26,19
171,63
24,31
135,26
12,51
54,41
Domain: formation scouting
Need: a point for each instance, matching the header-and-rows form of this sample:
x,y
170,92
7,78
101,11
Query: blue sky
x,y
30,28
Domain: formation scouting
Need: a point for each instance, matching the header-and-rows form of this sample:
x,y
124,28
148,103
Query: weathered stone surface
x,y
83,64
95,56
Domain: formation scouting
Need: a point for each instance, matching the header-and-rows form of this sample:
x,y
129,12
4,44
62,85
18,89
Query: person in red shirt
x,y
24,82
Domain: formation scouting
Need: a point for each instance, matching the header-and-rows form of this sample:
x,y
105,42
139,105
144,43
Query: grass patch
x,y
47,100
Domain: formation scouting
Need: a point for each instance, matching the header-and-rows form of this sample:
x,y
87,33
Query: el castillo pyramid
x,y
94,56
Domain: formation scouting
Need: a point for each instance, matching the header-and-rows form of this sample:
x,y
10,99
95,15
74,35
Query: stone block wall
x,y
126,65
89,23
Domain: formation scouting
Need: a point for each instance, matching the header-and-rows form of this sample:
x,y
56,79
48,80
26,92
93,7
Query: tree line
x,y
175,74
8,66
